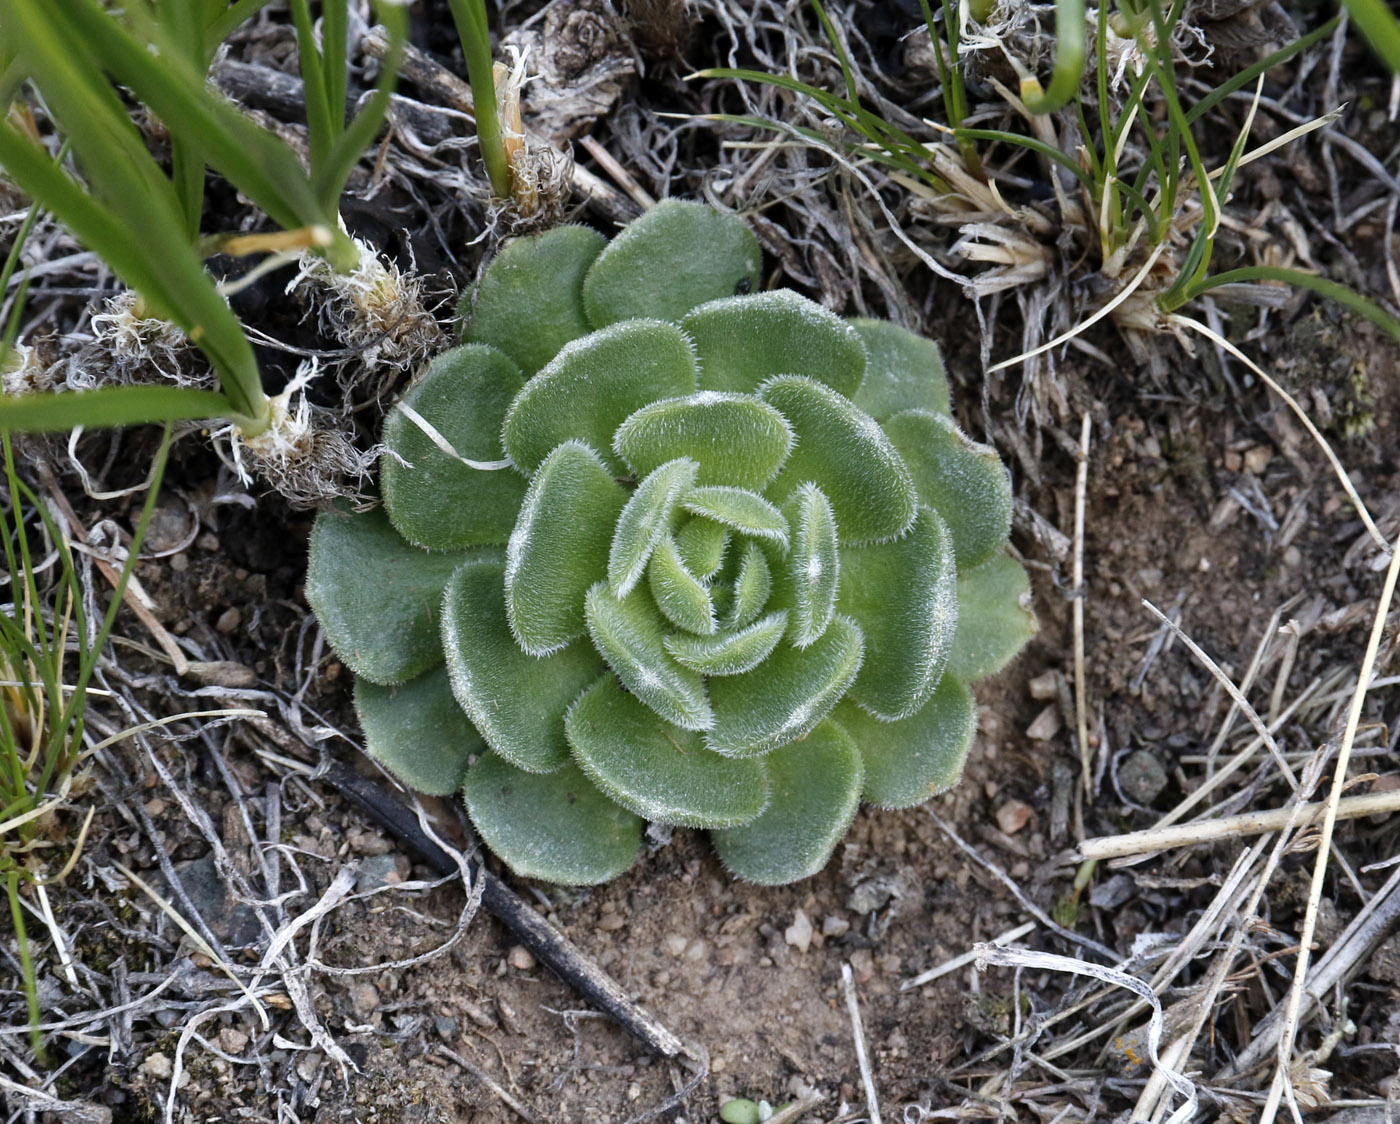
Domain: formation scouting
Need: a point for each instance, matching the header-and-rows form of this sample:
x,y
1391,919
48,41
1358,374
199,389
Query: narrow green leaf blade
x,y
908,761
746,512
559,546
784,697
743,341
674,257
110,406
963,481
516,700
905,596
586,391
433,499
663,774
630,635
645,522
994,618
681,597
734,438
417,731
553,826
903,371
844,452
732,652
529,302
376,596
814,792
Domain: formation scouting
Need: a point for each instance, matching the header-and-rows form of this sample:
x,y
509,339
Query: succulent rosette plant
x,y
655,546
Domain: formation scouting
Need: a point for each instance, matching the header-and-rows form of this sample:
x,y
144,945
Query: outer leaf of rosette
x,y
674,257
814,788
734,438
529,302
664,774
903,371
743,341
630,635
559,546
646,521
433,499
908,761
784,697
417,731
516,701
554,826
905,595
844,452
963,481
593,384
377,596
994,618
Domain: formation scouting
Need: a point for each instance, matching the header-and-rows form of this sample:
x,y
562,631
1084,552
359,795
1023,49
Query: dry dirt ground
x,y
1204,495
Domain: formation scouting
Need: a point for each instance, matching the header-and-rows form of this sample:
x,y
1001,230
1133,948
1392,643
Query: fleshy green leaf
x,y
593,384
729,653
701,543
845,453
903,371
681,597
514,699
747,512
752,587
742,341
674,257
417,731
529,302
645,522
908,761
734,438
963,481
376,596
994,618
559,546
785,696
814,791
906,598
630,635
555,826
663,774
813,566
433,499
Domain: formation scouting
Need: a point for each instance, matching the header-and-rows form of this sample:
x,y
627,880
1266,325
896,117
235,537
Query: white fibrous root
x,y
140,348
299,454
375,308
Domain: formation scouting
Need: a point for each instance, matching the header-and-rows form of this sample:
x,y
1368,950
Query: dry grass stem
x,y
867,1077
967,957
1081,718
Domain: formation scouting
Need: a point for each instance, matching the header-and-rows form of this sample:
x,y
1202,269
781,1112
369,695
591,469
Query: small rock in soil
x,y
520,958
1142,777
799,933
1013,816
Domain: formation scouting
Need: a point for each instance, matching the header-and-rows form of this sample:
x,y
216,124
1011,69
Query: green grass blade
x,y
26,964
1380,26
157,262
110,406
1347,298
319,125
475,34
1037,146
1070,50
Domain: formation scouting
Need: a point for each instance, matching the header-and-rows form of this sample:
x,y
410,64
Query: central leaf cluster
x,y
738,534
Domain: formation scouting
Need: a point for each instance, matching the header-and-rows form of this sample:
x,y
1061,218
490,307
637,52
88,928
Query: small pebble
x,y
157,1065
1257,459
835,926
364,997
520,958
179,563
675,945
611,922
228,621
1142,777
207,541
1013,816
1046,724
1045,686
232,1040
863,965
799,933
